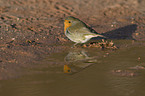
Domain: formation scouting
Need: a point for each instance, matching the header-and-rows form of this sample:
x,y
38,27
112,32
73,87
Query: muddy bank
x,y
31,30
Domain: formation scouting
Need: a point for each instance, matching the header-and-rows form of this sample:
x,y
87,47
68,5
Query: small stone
x,y
136,34
112,25
84,45
18,19
13,38
138,58
132,22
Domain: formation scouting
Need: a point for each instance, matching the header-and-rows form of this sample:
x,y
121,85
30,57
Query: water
x,y
84,72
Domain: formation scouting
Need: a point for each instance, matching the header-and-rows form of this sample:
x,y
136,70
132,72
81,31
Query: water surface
x,y
91,72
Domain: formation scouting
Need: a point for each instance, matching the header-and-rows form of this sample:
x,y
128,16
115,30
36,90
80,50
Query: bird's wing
x,y
87,31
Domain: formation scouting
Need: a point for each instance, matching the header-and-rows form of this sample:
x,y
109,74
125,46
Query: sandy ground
x,y
32,29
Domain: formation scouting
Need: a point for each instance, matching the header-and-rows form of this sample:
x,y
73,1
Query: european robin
x,y
77,31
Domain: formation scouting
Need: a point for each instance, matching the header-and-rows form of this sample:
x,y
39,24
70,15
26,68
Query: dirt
x,y
33,29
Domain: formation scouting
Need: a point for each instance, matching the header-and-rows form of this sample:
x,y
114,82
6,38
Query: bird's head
x,y
70,21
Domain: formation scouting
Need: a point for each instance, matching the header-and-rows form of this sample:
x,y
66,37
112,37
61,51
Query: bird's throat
x,y
66,25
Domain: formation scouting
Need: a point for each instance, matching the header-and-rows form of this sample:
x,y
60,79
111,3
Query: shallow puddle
x,y
84,72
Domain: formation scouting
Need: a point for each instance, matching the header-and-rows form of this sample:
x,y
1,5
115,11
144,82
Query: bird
x,y
77,31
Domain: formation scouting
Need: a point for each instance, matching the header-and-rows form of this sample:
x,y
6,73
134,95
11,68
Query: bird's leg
x,y
82,44
74,45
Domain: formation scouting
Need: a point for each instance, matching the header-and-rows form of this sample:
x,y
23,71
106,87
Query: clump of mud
x,y
102,45
125,73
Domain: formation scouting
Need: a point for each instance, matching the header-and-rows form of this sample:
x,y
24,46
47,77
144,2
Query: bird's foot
x,y
74,46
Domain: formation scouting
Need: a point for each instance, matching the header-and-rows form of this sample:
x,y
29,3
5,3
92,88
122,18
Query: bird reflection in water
x,y
76,60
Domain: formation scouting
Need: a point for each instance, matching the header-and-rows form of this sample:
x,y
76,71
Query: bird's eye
x,y
69,22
